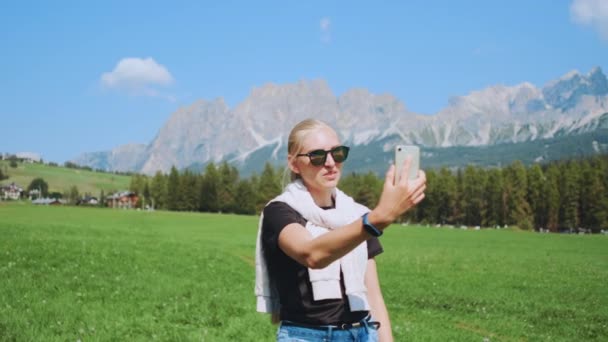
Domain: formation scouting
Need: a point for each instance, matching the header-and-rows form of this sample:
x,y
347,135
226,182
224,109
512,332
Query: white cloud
x,y
325,26
138,76
591,12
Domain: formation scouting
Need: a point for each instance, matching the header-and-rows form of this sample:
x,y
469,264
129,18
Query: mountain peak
x,y
255,128
598,83
595,70
301,87
569,75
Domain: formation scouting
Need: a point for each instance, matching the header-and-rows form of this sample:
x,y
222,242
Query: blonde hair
x,y
296,139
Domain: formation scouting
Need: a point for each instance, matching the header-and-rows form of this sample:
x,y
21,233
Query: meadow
x,y
61,178
93,274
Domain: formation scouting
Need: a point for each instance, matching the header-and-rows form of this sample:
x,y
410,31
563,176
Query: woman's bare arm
x,y
321,251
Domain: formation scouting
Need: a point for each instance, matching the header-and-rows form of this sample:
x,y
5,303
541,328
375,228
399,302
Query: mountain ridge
x,y
211,131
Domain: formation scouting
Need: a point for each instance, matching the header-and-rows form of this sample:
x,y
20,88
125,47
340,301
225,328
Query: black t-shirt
x,y
291,278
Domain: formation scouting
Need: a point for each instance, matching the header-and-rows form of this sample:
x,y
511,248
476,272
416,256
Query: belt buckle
x,y
345,326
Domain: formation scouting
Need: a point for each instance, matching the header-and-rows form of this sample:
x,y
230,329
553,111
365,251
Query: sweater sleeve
x,y
277,215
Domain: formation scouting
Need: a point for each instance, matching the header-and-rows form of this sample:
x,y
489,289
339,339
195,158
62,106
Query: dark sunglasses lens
x,y
339,154
317,157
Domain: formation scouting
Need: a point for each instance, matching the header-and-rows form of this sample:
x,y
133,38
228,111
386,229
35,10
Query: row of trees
x,y
72,165
218,189
558,196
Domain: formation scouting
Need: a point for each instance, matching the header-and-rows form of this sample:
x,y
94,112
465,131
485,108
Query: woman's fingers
x,y
389,178
405,171
419,191
419,198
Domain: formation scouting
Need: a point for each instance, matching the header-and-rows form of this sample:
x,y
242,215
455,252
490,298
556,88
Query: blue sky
x,y
83,76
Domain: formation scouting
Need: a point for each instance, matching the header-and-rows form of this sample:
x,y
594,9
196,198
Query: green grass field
x,y
90,274
61,179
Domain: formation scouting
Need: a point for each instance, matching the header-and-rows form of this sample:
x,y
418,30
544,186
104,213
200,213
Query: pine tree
x,y
137,183
269,186
427,209
600,165
494,199
245,198
146,194
229,177
349,183
209,191
472,190
570,193
551,195
367,192
535,195
446,197
74,195
516,186
173,195
189,192
460,202
593,206
158,191
102,199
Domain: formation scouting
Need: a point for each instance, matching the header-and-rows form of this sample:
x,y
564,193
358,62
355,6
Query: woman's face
x,y
318,178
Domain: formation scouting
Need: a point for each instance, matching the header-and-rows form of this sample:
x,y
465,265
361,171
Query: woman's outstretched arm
x,y
321,251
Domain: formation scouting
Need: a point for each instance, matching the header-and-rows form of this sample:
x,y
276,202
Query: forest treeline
x,y
567,195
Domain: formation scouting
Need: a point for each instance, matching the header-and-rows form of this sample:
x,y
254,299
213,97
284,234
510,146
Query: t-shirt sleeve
x,y
374,247
277,215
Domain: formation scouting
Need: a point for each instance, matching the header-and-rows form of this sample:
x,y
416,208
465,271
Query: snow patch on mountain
x,y
279,142
534,132
259,139
365,137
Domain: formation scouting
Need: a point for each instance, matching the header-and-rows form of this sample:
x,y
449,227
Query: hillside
x,y
61,179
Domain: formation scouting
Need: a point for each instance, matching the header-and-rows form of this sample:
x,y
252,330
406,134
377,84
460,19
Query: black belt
x,y
341,326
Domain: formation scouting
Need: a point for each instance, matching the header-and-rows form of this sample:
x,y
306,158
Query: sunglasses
x,y
318,157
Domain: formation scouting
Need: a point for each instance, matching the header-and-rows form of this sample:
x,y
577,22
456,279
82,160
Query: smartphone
x,y
401,152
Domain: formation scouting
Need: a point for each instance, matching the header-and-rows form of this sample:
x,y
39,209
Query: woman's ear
x,y
291,162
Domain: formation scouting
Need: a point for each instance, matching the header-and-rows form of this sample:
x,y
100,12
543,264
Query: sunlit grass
x,y
102,275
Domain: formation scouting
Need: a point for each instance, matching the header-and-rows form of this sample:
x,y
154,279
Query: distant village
x,y
11,191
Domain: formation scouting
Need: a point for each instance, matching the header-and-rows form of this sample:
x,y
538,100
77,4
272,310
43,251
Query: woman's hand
x,y
398,198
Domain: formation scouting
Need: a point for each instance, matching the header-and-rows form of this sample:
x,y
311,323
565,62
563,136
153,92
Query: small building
x,y
88,200
34,194
29,157
48,201
11,191
122,199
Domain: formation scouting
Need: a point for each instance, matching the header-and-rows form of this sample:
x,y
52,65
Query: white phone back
x,y
401,152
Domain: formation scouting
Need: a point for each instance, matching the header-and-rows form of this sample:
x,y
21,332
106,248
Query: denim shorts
x,y
293,333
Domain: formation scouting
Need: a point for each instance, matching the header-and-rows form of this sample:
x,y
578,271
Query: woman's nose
x,y
329,161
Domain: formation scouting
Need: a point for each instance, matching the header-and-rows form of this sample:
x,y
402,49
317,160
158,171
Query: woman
x,y
315,264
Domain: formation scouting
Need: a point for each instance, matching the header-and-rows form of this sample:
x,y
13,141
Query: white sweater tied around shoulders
x,y
326,281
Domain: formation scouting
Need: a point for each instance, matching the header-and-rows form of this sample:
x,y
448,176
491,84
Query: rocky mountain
x,y
123,158
255,131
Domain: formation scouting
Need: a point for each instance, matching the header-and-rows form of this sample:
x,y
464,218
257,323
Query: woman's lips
x,y
331,174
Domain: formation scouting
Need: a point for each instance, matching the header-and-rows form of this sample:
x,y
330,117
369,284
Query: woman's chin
x,y
331,182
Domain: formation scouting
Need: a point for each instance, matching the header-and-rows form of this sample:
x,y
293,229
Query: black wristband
x,y
370,228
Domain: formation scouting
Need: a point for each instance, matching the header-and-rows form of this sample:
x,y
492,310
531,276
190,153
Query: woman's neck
x,y
322,199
